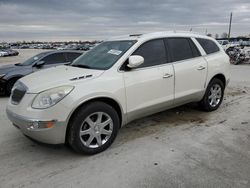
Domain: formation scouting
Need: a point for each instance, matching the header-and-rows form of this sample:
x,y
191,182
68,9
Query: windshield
x,y
104,55
31,60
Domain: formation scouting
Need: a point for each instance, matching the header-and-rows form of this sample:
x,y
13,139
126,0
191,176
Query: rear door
x,y
146,90
190,69
71,56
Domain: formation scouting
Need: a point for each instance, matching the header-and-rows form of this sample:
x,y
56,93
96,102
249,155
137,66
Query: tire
x,y
212,101
87,121
10,85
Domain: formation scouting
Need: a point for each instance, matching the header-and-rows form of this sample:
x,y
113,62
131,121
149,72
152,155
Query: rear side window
x,y
180,49
153,52
208,45
54,59
196,52
71,56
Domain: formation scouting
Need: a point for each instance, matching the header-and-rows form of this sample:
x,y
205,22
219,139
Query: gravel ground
x,y
183,147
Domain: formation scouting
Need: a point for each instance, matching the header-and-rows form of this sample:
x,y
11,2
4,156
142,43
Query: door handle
x,y
201,68
167,75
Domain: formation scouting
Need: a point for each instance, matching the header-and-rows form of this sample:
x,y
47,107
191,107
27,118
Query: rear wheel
x,y
93,128
213,96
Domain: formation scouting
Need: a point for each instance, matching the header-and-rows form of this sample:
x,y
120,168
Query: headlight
x,y
51,97
2,75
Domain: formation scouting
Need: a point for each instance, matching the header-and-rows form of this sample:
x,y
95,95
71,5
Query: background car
x,y
3,53
9,74
11,52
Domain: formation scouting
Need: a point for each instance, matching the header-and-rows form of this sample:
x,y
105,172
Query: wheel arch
x,y
14,77
221,77
110,101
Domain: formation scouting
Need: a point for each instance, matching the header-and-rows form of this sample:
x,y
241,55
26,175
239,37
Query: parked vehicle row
x,y
83,47
238,52
54,45
9,74
86,103
8,52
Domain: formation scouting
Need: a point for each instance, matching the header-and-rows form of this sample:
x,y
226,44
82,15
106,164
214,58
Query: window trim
x,y
189,39
63,53
206,54
120,69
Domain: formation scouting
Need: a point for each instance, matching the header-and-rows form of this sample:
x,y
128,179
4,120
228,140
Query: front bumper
x,y
53,135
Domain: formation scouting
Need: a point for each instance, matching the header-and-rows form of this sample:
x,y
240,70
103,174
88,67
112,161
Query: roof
x,y
158,35
60,51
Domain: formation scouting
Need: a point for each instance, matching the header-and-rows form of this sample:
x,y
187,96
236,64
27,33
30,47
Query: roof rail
x,y
135,35
173,31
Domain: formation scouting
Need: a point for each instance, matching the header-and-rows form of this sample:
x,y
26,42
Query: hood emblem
x,y
81,77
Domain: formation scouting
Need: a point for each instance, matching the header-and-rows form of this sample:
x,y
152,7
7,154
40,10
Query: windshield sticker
x,y
114,52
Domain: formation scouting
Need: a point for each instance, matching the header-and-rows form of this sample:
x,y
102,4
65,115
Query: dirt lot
x,y
183,147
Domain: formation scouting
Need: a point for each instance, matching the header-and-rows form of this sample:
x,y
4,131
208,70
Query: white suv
x,y
120,80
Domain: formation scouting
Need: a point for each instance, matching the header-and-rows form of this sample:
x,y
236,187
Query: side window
x,y
179,49
208,45
153,52
54,59
196,52
71,56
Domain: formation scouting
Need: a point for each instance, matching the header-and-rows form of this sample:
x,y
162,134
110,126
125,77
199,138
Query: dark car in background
x,y
9,74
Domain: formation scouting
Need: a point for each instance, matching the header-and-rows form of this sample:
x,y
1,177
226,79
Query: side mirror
x,y
40,63
135,61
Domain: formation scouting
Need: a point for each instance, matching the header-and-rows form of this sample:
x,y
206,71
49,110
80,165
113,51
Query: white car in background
x,y
120,80
3,53
228,46
224,43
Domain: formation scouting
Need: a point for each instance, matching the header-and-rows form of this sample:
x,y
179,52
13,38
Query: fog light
x,y
36,125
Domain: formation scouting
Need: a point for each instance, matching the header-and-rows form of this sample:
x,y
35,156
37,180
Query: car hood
x,y
58,76
7,68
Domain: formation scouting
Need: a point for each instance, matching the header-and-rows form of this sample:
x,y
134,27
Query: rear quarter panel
x,y
218,63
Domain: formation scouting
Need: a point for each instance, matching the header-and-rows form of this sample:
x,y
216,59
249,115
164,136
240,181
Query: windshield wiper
x,y
18,64
81,66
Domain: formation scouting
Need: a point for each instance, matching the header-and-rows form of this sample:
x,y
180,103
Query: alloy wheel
x,y
215,95
96,129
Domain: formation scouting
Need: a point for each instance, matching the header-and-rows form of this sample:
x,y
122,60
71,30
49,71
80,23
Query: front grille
x,y
18,92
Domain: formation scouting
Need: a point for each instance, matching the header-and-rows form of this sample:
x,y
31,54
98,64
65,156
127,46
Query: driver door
x,y
52,60
147,89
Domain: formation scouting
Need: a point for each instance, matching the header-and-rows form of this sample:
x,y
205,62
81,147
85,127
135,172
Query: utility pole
x,y
230,24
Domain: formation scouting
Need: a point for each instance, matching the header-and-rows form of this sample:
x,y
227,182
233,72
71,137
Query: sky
x,y
60,20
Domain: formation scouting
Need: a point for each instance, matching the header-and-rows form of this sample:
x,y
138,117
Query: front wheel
x,y
93,128
213,96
